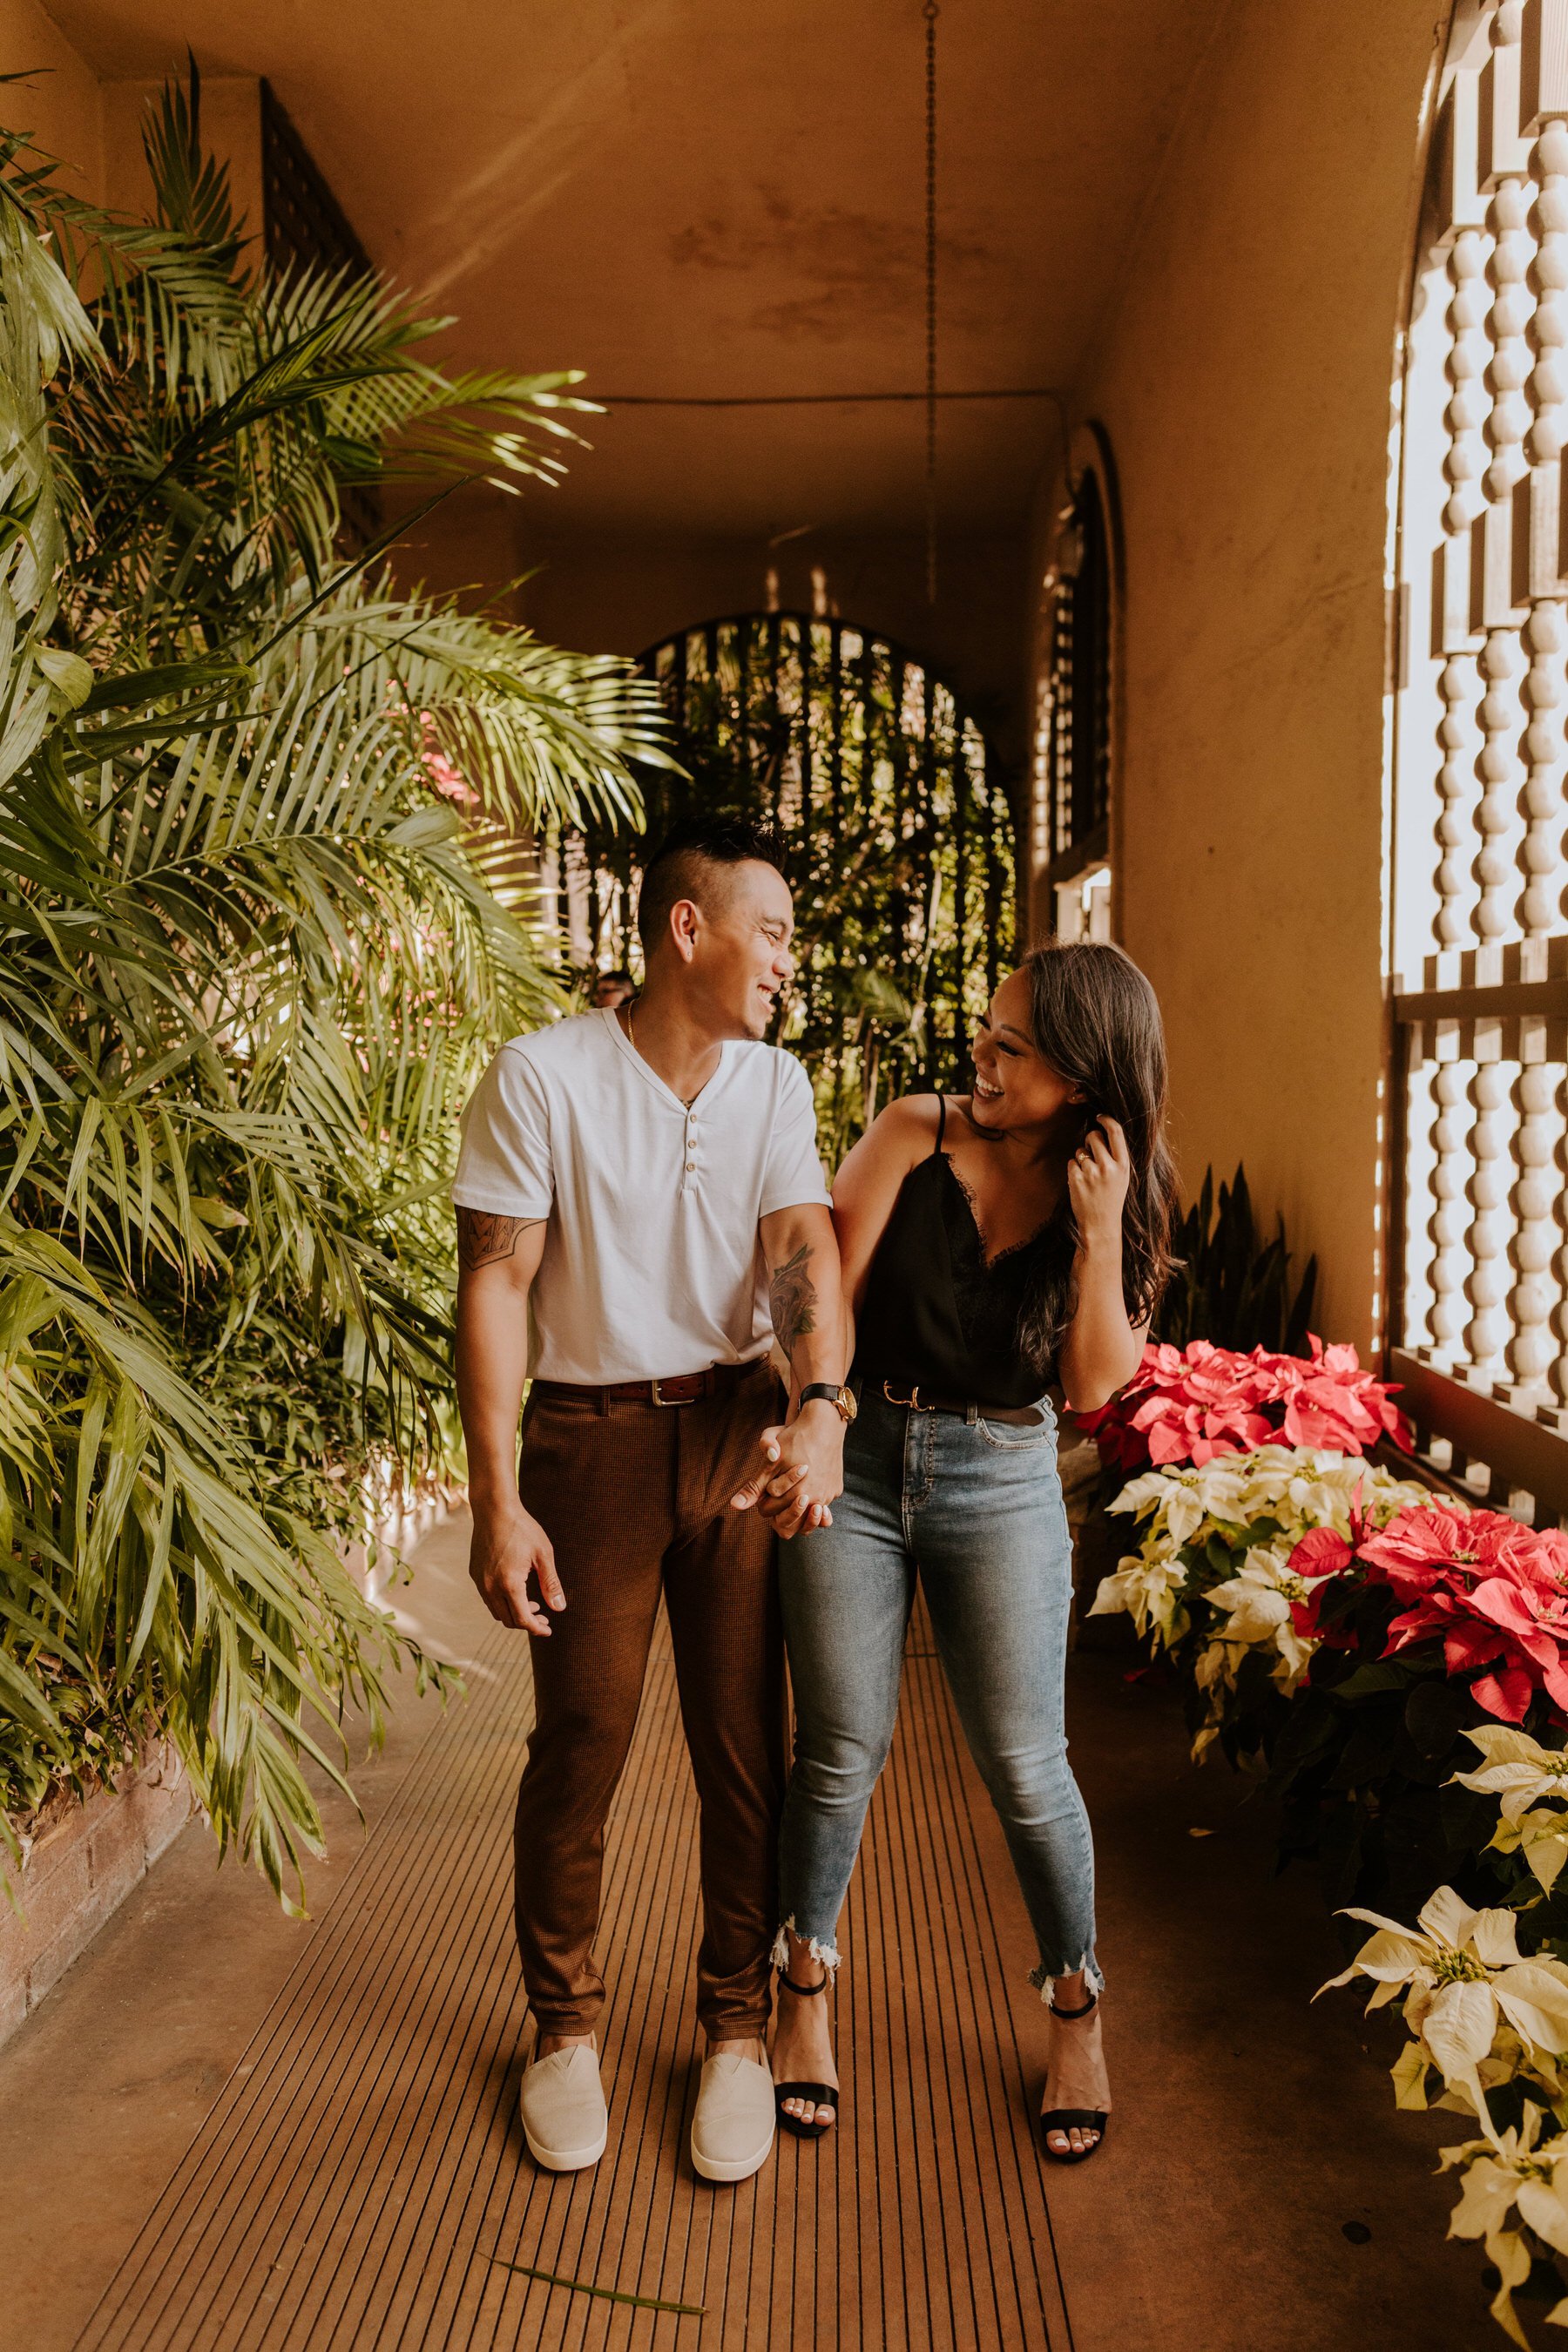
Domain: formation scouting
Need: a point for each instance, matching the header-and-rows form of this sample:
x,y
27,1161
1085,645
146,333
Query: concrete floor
x,y
1251,2128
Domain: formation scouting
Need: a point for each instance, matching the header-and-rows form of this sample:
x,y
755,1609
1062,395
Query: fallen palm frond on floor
x,y
606,2293
256,938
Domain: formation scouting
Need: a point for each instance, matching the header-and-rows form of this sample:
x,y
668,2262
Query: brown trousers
x,y
635,1500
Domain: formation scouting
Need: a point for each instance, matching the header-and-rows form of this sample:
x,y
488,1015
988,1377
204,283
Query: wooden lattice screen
x,y
1479,940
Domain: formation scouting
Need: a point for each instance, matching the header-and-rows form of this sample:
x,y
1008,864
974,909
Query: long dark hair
x,y
1096,1019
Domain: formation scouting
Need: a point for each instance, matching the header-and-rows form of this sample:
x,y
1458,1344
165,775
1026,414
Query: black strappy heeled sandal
x,y
1067,2119
821,2095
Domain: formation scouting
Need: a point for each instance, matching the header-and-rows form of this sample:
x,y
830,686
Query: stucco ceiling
x,y
693,199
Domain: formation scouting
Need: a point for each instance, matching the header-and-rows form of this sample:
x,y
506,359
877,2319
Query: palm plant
x,y
259,924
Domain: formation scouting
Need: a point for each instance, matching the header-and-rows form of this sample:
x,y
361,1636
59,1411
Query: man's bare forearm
x,y
805,1294
496,1257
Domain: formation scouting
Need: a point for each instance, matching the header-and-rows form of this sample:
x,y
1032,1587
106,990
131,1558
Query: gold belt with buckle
x,y
1016,1416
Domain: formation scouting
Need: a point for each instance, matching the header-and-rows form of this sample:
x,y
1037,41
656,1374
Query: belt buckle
x,y
911,1403
670,1403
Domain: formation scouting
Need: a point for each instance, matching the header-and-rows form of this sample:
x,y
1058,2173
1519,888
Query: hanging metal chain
x,y
931,17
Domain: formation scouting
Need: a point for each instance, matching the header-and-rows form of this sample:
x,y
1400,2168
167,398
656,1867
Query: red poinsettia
x,y
1328,1401
1320,1557
1187,1404
1496,1592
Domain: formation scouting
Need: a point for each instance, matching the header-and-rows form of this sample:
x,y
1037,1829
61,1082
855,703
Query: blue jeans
x,y
975,1509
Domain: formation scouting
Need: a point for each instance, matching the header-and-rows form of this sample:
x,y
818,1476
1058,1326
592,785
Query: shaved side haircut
x,y
698,861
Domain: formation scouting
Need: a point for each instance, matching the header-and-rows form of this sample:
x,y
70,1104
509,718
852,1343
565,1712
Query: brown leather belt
x,y
1018,1416
684,1388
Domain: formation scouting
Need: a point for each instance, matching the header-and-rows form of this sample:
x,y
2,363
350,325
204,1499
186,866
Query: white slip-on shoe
x,y
564,2119
732,2129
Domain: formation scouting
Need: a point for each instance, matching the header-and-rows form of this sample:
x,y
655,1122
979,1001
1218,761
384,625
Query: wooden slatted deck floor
x,y
362,2181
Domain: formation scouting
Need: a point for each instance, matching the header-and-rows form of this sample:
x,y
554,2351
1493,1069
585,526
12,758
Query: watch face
x,y
847,1404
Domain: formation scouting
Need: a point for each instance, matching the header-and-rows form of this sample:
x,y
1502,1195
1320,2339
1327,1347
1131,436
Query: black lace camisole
x,y
935,1314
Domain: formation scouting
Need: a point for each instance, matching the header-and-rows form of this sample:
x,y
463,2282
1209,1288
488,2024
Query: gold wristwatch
x,y
843,1398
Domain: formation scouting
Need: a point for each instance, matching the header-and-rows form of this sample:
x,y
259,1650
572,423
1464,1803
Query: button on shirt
x,y
651,1265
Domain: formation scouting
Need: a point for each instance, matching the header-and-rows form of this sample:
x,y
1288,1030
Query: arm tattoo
x,y
483,1237
793,1296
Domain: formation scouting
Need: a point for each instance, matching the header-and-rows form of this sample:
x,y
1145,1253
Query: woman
x,y
991,1248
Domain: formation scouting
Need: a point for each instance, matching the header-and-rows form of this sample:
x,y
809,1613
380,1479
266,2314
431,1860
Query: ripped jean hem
x,y
1044,1979
825,1954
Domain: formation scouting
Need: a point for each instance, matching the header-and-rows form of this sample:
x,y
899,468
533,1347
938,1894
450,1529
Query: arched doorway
x,y
899,843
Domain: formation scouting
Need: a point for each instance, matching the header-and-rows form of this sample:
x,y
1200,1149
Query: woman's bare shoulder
x,y
899,1135
911,1115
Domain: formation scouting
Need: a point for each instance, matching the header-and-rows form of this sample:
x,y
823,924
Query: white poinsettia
x,y
1148,1590
1531,1783
1513,2176
1326,1490
1255,1613
1176,1502
1284,1492
1465,1985
1257,1606
1253,1508
1299,1487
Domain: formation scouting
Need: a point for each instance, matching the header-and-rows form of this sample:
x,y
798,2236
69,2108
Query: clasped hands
x,y
801,1472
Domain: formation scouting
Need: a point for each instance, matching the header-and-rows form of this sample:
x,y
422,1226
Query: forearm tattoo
x,y
792,1294
482,1237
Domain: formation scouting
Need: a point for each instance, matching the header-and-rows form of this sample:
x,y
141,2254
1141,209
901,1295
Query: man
x,y
611,990
643,1183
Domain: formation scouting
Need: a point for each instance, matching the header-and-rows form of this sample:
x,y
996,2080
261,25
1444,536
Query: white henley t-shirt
x,y
652,1265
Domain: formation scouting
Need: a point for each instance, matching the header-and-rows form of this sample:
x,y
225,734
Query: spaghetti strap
x,y
940,1125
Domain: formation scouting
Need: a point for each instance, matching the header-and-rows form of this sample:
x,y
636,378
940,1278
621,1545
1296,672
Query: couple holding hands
x,y
642,1217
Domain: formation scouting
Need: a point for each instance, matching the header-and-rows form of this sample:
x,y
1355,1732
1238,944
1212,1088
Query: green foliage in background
x,y
256,940
897,844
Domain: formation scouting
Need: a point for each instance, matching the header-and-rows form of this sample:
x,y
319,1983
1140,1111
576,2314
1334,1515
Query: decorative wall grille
x,y
304,226
304,222
901,843
1480,947
1073,719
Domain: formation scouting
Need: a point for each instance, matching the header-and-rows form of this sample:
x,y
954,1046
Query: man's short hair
x,y
693,859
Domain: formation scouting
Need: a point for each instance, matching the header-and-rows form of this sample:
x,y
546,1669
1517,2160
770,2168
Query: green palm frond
x,y
265,909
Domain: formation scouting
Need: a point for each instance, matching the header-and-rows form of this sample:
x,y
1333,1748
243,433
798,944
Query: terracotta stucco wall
x,y
61,108
593,592
597,592
93,124
1243,379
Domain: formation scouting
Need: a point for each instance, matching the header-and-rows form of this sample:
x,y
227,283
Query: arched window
x,y
1073,710
899,843
1477,1295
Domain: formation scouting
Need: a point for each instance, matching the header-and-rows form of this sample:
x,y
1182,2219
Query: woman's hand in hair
x,y
1101,1349
1098,1176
